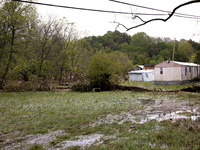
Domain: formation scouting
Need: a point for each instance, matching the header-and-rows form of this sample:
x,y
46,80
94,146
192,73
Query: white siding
x,y
189,75
169,74
135,77
148,76
141,75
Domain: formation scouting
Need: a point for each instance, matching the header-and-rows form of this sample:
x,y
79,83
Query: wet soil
x,y
156,109
11,143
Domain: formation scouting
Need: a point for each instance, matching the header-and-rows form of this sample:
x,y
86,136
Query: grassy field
x,y
104,120
152,86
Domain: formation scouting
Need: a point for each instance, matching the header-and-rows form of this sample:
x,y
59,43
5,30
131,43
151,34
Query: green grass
x,y
151,85
26,113
39,112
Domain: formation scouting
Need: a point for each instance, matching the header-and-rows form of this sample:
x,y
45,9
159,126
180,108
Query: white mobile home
x,y
141,75
173,72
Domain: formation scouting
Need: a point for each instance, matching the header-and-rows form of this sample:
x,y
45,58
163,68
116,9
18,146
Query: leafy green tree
x,y
126,48
124,64
165,54
152,49
142,59
184,52
197,54
170,48
101,70
161,59
152,62
161,46
17,20
194,44
78,56
154,59
140,40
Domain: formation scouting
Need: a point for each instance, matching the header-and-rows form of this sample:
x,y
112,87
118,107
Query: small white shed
x,y
141,75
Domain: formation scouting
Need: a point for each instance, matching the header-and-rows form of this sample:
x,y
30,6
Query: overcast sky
x,y
96,23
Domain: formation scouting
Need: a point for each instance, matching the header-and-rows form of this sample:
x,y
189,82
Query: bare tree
x,y
155,19
48,35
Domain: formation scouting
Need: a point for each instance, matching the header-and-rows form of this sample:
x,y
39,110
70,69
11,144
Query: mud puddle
x,y
158,110
26,142
29,140
84,141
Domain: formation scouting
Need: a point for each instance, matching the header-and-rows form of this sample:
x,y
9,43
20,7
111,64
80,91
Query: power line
x,y
78,8
153,8
116,12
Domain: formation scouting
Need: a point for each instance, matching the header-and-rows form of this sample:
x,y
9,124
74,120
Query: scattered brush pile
x,y
19,86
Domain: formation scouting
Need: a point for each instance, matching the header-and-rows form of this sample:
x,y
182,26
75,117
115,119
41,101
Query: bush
x,y
18,86
101,71
82,87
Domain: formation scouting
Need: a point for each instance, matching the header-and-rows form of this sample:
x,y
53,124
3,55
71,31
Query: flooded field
x,y
119,120
158,110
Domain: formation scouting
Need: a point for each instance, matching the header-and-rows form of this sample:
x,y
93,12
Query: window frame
x,y
185,71
161,70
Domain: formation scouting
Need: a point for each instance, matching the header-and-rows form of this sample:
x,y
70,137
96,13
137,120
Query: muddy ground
x,y
156,110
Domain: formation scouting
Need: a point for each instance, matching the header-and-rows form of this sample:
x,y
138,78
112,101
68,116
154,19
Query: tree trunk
x,y
40,68
25,75
4,43
10,58
61,72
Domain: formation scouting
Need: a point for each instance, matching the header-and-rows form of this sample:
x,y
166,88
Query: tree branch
x,y
157,19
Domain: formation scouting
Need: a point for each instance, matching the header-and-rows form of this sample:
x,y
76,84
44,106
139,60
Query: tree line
x,y
143,49
32,45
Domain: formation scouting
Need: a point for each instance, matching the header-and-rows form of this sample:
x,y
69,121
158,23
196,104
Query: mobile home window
x,y
190,69
185,71
161,70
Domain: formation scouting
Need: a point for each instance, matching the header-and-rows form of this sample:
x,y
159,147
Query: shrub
x,y
18,86
82,87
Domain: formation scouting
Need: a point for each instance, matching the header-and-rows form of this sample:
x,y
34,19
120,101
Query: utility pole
x,y
197,69
174,48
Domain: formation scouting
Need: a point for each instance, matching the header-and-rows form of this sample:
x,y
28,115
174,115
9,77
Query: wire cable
x,y
106,11
152,8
